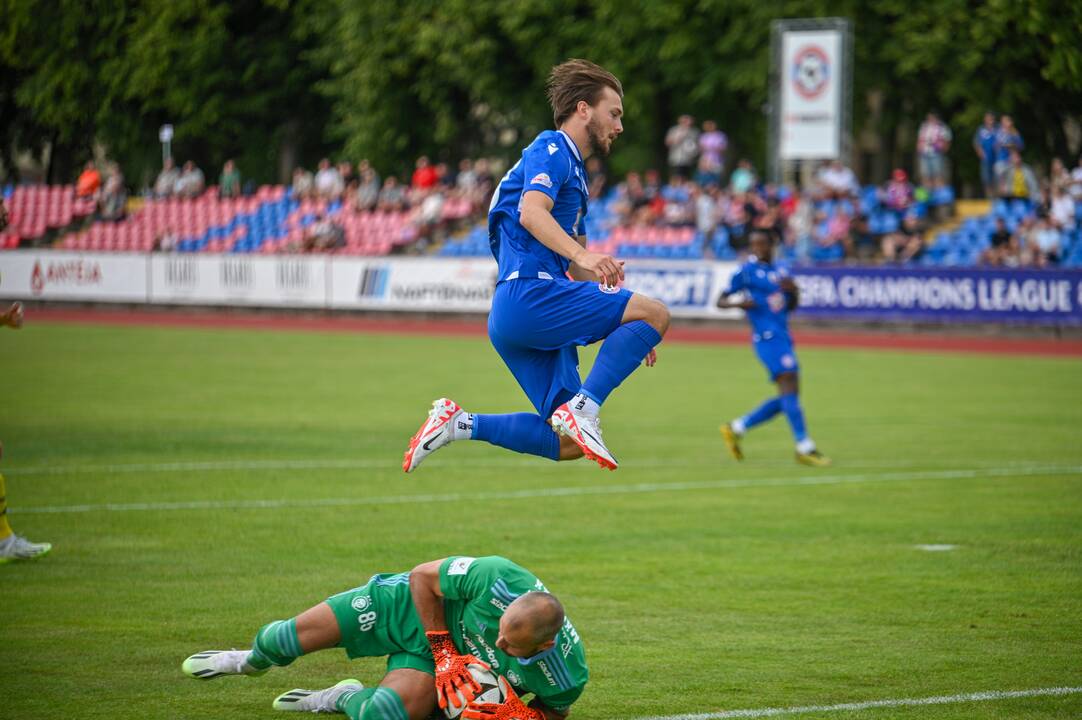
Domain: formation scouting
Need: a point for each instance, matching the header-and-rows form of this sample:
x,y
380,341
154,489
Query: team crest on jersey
x,y
553,149
608,289
360,603
541,179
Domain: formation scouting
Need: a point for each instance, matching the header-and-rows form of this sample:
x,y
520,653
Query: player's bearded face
x,y
600,143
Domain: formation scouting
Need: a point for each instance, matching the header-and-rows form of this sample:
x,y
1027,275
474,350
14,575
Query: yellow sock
x,y
5,529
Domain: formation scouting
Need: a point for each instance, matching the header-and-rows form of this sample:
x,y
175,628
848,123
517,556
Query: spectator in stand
x,y
114,196
349,178
739,213
837,231
712,146
303,184
1061,211
466,180
190,183
3,215
1000,248
678,209
86,187
1076,182
229,180
682,140
801,227
166,183
706,208
392,197
424,175
328,182
898,194
1044,242
367,195
984,144
1007,139
1017,180
905,244
324,235
743,178
598,180
837,181
933,143
1058,175
485,183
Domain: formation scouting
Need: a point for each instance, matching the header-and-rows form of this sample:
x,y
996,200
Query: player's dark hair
x,y
575,80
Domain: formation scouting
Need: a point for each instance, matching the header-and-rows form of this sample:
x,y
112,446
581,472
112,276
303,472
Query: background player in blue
x,y
769,295
539,316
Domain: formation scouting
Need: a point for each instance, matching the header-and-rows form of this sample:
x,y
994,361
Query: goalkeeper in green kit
x,y
430,623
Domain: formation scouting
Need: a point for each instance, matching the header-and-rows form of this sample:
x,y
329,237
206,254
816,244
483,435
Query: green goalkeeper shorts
x,y
379,619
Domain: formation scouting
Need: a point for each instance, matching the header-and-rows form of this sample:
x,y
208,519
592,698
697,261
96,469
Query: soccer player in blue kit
x,y
539,315
769,295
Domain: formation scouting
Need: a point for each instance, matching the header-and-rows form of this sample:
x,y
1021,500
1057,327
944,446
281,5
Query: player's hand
x,y
787,284
607,268
452,676
512,708
13,317
651,358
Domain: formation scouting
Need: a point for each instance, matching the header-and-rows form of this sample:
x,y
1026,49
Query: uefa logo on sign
x,y
811,71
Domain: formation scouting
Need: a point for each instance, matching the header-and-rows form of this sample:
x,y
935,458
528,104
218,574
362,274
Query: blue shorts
x,y
777,355
537,325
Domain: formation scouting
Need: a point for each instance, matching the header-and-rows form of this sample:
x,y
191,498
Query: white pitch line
x,y
576,490
872,704
361,464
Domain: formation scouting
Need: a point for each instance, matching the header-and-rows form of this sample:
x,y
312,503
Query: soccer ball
x,y
491,690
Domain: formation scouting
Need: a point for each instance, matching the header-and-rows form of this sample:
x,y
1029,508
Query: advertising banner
x,y
282,280
811,75
942,294
52,275
432,285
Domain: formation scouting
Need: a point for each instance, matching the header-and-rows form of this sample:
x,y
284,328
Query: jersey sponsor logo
x,y
541,179
553,149
361,603
566,648
496,603
459,566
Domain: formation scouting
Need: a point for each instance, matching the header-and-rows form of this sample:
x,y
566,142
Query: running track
x,y
412,326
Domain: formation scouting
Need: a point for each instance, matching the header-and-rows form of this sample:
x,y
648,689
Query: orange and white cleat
x,y
436,432
585,430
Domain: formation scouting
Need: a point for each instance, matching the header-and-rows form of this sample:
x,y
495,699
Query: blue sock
x,y
522,432
622,352
790,405
761,414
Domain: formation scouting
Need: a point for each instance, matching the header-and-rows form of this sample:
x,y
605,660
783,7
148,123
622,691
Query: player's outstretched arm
x,y
536,217
792,293
453,679
725,301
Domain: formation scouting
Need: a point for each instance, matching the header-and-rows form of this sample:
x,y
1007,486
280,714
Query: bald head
x,y
536,616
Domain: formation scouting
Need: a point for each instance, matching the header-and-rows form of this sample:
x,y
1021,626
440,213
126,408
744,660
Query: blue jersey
x,y
553,165
759,280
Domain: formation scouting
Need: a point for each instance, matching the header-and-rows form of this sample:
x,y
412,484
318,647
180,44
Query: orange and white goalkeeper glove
x,y
453,678
512,708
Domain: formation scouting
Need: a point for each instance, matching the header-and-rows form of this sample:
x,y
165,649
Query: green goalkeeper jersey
x,y
477,591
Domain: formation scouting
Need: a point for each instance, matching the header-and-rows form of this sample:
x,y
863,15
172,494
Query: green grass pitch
x,y
697,584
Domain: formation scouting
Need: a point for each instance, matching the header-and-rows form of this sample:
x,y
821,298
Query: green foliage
x,y
275,82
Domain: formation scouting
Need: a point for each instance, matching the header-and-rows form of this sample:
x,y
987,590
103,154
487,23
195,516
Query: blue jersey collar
x,y
571,144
